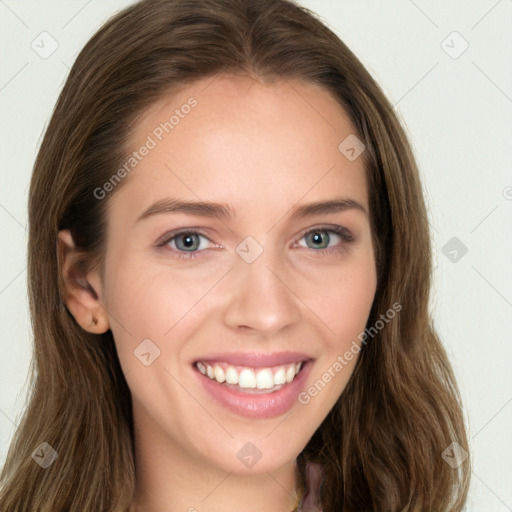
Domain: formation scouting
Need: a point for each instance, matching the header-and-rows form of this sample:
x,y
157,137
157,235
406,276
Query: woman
x,y
194,348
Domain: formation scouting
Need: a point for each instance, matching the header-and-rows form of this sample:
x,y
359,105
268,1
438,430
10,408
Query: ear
x,y
80,291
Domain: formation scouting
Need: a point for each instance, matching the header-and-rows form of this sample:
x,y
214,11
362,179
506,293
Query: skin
x,y
262,148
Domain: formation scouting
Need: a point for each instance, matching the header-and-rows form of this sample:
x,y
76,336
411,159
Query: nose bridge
x,y
261,297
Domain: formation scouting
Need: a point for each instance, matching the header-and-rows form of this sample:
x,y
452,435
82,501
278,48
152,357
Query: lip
x,y
255,359
264,405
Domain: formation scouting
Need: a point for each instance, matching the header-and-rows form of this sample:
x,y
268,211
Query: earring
x,y
93,321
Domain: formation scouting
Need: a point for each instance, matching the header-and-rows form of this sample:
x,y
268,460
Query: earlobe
x,y
82,300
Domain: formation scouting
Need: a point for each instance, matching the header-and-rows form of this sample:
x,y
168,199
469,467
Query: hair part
x,y
381,444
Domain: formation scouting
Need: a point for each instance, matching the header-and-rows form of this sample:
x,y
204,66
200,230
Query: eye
x,y
186,243
320,238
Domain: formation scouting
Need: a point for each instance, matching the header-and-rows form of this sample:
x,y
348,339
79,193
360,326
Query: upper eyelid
x,y
167,237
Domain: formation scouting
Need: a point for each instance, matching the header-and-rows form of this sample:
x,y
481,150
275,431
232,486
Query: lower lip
x,y
265,405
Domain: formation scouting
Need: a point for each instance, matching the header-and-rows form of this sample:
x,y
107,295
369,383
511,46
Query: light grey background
x,y
457,109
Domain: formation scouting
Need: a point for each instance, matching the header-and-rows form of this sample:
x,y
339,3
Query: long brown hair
x,y
381,445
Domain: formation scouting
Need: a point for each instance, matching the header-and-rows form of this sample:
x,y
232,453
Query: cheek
x,y
153,302
342,302
342,298
136,295
135,308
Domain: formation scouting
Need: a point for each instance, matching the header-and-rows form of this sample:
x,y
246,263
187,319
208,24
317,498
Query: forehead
x,y
237,140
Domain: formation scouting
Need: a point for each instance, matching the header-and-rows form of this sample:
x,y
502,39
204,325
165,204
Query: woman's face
x,y
248,290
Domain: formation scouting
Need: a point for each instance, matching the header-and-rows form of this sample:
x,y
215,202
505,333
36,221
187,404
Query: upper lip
x,y
255,359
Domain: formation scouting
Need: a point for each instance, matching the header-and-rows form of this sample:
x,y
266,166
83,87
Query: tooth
x,y
218,373
290,373
231,375
247,379
280,377
265,379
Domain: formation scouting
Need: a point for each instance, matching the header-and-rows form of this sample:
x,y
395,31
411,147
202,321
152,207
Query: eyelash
x,y
345,235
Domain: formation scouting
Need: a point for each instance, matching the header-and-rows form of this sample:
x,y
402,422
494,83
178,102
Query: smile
x,y
254,385
247,378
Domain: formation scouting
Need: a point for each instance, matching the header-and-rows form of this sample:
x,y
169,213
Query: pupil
x,y
317,237
188,240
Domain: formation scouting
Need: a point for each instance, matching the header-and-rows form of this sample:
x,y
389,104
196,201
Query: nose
x,y
261,296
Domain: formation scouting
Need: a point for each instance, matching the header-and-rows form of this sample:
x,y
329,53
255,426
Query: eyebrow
x,y
222,211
